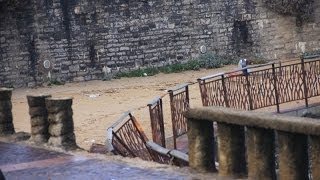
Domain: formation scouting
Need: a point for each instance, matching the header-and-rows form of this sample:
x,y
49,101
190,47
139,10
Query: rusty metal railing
x,y
126,138
157,124
266,85
179,102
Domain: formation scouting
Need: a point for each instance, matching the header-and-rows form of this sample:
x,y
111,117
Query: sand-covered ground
x,y
98,104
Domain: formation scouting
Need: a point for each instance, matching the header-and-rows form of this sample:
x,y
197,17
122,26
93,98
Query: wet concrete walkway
x,y
23,162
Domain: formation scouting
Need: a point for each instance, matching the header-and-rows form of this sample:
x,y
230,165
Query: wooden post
x,y
231,140
38,118
61,127
201,145
315,156
293,156
261,153
6,120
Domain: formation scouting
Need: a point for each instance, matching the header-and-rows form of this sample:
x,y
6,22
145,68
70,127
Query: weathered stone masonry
x,y
79,37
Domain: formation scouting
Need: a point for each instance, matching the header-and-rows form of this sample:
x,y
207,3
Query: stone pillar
x,y
231,146
293,156
261,153
201,145
60,119
6,120
38,118
315,156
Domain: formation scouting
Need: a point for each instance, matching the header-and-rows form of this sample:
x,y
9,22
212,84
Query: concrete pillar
x,y
6,120
293,156
261,153
61,128
38,118
201,145
231,145
315,156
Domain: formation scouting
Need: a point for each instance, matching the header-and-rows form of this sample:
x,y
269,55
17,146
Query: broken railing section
x,y
266,85
262,131
179,103
6,120
126,138
157,124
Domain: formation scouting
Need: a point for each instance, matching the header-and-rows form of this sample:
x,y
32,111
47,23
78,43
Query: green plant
x,y
207,60
55,82
258,61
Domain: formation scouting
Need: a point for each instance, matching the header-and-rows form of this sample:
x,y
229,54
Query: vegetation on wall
x,y
207,61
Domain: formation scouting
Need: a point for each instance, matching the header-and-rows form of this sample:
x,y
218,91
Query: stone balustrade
x,y
247,144
38,118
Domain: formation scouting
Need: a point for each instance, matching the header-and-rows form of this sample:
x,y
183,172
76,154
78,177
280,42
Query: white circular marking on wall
x,y
203,49
46,64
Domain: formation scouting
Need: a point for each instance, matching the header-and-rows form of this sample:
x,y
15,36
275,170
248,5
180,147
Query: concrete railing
x,y
247,144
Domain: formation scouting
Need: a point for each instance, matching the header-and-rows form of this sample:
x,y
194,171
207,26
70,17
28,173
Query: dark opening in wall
x,y
241,31
33,56
241,37
92,55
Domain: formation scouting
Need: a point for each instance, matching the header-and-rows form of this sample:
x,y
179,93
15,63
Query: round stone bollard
x,y
60,119
38,118
6,120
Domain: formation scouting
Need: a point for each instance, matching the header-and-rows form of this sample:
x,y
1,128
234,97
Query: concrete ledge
x,y
257,119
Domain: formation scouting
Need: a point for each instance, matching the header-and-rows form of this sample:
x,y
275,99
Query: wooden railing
x,y
266,85
266,135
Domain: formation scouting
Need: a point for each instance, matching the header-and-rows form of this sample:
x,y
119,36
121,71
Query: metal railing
x,y
126,138
266,85
179,102
157,124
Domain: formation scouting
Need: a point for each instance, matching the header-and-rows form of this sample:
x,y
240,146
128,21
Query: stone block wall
x,y
80,37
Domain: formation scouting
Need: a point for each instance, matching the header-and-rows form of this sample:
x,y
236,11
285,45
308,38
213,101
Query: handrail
x,y
120,119
154,101
237,70
179,87
211,76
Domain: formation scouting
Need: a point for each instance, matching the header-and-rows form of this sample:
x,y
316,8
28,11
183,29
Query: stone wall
x,y
80,37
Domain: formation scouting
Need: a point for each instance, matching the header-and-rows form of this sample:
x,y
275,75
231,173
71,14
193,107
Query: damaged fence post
x,y
61,128
293,155
6,120
38,118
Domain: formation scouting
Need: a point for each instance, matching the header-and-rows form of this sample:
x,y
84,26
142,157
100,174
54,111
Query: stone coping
x,y
59,98
39,95
265,120
6,89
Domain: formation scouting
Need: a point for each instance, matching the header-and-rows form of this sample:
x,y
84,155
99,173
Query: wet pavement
x,y
23,162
